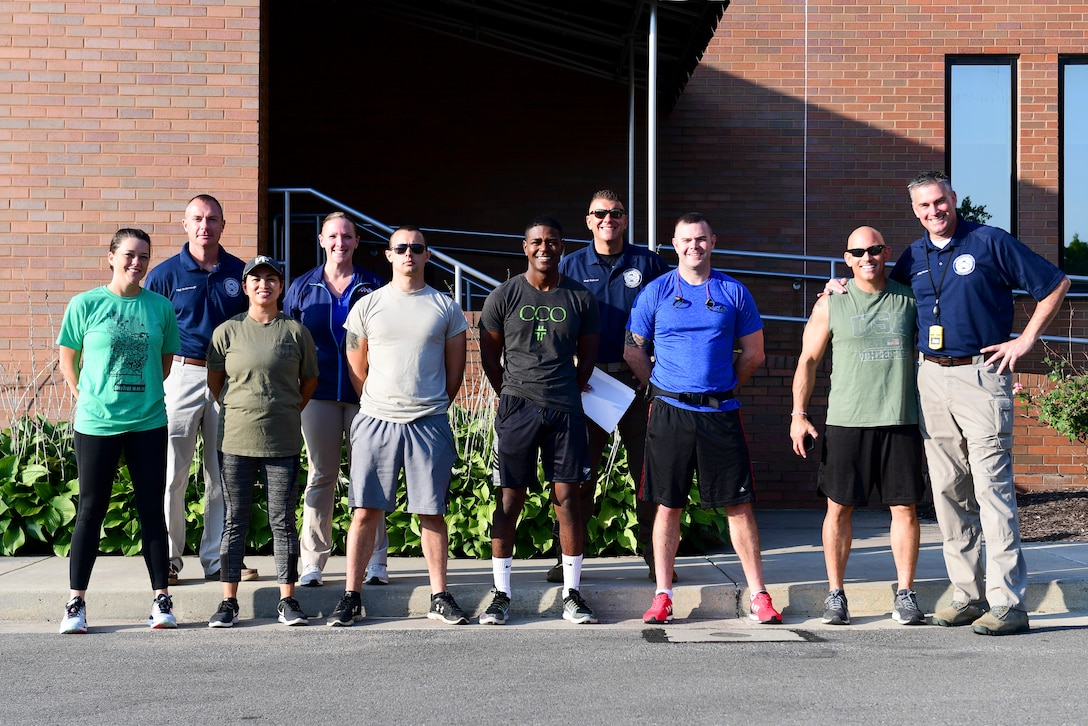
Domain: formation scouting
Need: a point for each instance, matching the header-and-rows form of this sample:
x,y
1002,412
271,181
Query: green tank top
x,y
872,357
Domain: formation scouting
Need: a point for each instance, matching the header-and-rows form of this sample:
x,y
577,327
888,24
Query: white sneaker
x,y
377,575
311,576
162,613
75,616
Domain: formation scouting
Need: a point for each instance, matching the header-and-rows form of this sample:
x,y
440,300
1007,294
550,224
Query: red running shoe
x,y
660,611
763,611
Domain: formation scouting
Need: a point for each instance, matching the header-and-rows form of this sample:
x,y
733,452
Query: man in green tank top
x,y
871,437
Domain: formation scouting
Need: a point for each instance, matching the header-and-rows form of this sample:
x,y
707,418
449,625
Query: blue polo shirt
x,y
202,299
312,303
980,267
693,344
615,288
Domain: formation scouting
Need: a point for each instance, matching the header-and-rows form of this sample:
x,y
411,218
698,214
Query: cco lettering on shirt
x,y
542,313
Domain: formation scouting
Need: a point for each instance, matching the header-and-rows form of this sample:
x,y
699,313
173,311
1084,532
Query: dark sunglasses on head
x,y
417,249
614,213
873,251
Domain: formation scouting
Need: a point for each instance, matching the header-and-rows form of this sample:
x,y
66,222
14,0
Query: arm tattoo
x,y
351,341
634,341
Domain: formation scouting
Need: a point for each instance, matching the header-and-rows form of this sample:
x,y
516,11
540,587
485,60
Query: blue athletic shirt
x,y
987,264
202,300
323,314
693,345
615,289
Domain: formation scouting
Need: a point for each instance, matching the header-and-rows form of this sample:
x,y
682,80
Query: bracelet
x,y
799,413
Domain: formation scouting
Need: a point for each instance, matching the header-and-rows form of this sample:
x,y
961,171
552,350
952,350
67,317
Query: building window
x,y
1073,174
981,142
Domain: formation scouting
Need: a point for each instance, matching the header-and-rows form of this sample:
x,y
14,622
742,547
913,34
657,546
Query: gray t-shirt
x,y
406,334
541,332
264,364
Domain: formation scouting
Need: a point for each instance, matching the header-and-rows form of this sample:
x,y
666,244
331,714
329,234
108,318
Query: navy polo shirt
x,y
615,289
202,300
980,268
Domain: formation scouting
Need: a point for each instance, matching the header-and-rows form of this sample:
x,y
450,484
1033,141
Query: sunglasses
x,y
614,213
417,249
873,251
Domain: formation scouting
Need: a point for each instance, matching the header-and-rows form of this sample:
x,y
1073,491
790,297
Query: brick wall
x,y
113,114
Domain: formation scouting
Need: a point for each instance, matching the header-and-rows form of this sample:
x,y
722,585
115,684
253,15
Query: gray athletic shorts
x,y
380,450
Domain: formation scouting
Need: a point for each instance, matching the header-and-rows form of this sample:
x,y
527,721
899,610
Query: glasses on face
x,y
417,249
873,251
613,213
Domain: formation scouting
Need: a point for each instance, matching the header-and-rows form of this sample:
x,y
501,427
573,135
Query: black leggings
x,y
97,458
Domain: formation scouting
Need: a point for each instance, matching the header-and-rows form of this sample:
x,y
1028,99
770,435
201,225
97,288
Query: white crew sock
x,y
500,570
572,573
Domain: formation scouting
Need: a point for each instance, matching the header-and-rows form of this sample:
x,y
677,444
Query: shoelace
x,y
835,601
74,609
226,607
164,603
347,602
498,603
576,597
291,603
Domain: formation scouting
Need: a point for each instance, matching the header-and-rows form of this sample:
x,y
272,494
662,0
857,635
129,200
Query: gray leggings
x,y
280,476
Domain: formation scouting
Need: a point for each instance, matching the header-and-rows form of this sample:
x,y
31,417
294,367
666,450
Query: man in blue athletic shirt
x,y
204,282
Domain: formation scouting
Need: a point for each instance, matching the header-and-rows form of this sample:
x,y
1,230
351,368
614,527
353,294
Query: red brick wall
x,y
113,114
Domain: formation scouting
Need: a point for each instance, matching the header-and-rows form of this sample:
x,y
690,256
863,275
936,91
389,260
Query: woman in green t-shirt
x,y
116,345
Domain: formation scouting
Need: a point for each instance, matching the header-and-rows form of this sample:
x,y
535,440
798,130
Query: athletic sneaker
x,y
906,610
446,609
227,614
660,610
311,576
347,611
498,611
162,613
762,609
291,612
837,612
576,610
555,573
75,616
377,575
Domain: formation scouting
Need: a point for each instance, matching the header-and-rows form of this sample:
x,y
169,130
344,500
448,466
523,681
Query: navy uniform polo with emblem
x,y
615,288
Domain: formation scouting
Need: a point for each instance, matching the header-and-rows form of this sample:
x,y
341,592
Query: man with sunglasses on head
x,y
406,347
615,271
872,436
538,341
693,318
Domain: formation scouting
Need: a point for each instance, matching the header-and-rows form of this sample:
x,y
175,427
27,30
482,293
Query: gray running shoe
x,y
576,610
905,610
446,609
837,612
498,611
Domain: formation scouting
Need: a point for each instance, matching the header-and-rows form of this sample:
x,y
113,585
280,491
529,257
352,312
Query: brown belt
x,y
948,361
191,361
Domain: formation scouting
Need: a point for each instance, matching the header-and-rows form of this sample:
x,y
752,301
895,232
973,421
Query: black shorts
x,y
681,443
854,460
523,430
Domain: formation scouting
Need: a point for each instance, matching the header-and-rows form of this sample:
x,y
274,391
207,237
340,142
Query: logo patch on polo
x,y
964,264
632,277
232,287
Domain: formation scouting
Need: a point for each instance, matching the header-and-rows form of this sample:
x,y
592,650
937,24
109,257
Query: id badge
x,y
936,337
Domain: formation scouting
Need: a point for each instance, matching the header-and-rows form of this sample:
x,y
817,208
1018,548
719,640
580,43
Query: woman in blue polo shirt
x,y
116,345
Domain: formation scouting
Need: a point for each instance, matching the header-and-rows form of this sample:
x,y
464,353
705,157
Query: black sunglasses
x,y
614,213
417,249
873,251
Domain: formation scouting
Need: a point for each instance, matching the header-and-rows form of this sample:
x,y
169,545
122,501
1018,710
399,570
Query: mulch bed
x,y
1057,516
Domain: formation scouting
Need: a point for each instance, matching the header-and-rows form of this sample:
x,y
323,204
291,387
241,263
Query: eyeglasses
x,y
613,213
417,249
873,251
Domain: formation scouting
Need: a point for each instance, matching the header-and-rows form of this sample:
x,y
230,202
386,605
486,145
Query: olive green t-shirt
x,y
264,363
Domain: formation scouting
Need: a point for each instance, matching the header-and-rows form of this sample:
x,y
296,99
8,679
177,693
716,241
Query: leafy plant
x,y
1063,404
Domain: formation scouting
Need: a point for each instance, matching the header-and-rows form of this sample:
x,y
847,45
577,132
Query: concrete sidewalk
x,y
710,587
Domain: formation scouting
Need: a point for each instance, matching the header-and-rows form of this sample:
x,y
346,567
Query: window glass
x,y
1074,174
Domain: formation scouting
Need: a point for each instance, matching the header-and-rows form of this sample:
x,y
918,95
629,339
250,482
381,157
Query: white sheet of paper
x,y
607,400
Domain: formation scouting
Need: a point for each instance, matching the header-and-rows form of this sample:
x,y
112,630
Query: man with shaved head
x,y
871,436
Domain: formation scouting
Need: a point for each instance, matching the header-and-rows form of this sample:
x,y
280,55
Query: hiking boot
x,y
498,611
311,576
376,575
762,610
227,614
660,610
905,609
291,612
576,610
1001,620
75,616
555,573
347,611
162,613
446,609
837,612
960,613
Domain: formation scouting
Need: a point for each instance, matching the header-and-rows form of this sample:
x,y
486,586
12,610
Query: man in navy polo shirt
x,y
204,282
963,275
615,272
